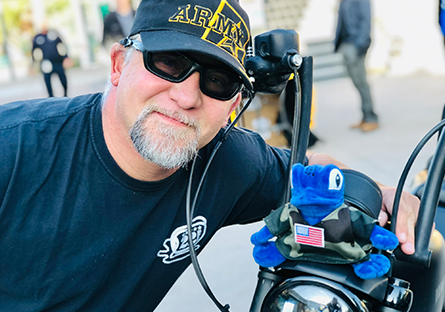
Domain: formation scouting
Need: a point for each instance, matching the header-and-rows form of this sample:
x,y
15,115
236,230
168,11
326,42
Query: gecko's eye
x,y
335,180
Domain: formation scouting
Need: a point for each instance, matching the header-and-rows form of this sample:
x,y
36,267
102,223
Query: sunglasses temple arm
x,y
238,116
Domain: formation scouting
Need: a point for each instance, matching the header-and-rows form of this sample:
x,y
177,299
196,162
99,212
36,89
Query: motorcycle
x,y
414,283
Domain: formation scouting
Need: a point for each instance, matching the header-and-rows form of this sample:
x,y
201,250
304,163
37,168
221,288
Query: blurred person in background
x,y
117,24
49,51
352,40
442,17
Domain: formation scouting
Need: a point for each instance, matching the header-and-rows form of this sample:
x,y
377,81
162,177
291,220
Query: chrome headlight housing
x,y
311,294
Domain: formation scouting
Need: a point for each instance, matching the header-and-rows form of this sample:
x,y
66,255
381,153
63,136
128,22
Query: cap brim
x,y
168,40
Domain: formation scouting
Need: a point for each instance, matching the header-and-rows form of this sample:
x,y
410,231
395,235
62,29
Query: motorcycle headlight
x,y
311,294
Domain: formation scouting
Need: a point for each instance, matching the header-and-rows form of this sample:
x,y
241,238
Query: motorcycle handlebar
x,y
428,206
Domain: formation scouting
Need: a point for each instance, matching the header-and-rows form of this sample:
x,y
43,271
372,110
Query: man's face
x,y
168,122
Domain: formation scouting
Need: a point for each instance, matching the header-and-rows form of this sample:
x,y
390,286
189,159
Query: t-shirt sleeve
x,y
261,177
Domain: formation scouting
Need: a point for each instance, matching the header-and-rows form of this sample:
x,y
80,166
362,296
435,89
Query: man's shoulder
x,y
241,139
245,138
39,110
249,147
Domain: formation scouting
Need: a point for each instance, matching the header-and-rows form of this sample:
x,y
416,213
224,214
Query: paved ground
x,y
408,108
79,82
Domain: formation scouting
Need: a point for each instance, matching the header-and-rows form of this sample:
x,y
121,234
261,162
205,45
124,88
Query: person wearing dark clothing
x,y
352,39
117,24
49,49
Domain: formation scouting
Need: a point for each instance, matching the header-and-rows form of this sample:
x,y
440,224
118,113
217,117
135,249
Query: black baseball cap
x,y
217,28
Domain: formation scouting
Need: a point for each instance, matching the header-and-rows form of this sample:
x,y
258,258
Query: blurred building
x,y
406,36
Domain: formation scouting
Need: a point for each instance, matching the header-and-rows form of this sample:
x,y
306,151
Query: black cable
x,y
421,255
193,256
216,148
302,88
407,168
190,209
296,88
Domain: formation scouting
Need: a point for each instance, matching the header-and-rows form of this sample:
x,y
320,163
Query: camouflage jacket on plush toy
x,y
345,235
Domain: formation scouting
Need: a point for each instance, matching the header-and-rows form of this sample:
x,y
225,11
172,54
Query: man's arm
x,y
362,12
408,208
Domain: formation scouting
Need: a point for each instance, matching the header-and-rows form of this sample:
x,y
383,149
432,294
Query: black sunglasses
x,y
214,82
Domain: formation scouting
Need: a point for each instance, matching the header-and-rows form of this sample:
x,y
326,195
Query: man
x,y
49,50
94,188
352,40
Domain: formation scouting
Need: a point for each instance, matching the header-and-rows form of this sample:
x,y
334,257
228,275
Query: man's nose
x,y
188,93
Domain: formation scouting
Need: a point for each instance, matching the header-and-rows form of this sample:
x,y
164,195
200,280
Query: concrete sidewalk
x,y
80,81
408,108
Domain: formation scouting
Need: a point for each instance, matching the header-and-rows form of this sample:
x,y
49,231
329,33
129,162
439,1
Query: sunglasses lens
x,y
219,84
214,82
172,65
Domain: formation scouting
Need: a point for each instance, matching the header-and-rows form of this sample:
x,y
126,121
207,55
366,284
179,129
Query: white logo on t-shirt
x,y
177,246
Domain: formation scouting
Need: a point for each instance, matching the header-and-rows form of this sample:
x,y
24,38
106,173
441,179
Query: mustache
x,y
191,122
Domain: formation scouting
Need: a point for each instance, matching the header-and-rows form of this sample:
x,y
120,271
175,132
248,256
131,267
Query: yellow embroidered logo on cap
x,y
224,27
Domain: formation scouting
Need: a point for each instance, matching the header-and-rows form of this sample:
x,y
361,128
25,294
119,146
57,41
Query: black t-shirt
x,y
78,234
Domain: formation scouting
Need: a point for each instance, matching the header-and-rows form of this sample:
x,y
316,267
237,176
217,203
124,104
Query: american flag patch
x,y
309,235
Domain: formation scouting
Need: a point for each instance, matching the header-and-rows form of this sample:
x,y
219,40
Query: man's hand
x,y
68,63
406,216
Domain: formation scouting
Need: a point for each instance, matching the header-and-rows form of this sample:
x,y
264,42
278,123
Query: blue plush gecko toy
x,y
317,225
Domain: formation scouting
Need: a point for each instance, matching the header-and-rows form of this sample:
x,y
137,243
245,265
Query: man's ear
x,y
117,56
236,101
